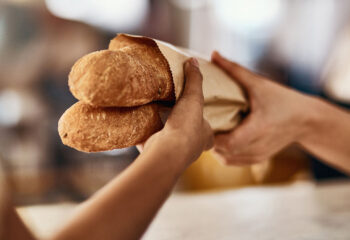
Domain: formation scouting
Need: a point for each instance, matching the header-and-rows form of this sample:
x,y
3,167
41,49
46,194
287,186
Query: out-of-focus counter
x,y
298,211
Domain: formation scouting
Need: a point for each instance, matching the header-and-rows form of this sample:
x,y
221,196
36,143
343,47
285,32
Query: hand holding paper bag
x,y
276,118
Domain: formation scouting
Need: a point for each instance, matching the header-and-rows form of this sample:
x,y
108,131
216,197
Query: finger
x,y
222,142
252,151
240,137
190,104
235,146
223,158
140,147
239,73
233,142
227,159
220,156
193,85
209,136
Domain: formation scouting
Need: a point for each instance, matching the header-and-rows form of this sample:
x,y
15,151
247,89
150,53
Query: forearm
x,y
328,134
13,227
124,208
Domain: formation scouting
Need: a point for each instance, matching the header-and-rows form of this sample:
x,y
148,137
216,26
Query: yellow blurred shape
x,y
208,174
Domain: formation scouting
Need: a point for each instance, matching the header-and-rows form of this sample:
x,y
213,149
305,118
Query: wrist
x,y
177,148
170,150
311,119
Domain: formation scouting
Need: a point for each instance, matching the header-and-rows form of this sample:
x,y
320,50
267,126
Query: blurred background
x,y
304,44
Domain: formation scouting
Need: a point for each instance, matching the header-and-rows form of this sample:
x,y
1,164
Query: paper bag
x,y
223,98
224,101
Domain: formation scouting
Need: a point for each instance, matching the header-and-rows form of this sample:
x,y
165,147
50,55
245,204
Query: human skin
x,y
124,208
280,116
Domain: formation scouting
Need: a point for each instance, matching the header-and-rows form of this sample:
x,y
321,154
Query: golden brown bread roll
x,y
92,129
130,73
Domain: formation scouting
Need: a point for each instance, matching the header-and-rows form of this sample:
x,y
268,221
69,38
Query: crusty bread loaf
x,y
92,129
115,88
130,73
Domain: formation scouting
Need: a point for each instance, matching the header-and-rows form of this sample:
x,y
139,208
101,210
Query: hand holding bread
x,y
185,130
121,91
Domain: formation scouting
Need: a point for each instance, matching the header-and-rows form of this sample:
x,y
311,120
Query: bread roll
x,y
92,129
130,73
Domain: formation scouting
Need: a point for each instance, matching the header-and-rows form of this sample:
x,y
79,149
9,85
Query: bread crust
x,y
93,129
132,72
116,88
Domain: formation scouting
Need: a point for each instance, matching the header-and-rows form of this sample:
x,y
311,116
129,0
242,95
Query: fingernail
x,y
216,53
194,62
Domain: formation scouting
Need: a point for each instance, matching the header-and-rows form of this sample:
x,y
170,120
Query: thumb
x,y
208,135
194,79
242,75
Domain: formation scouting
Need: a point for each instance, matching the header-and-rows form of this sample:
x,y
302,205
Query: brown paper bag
x,y
224,101
223,98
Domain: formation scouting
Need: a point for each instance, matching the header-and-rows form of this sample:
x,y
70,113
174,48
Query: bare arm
x,y
13,227
279,117
328,135
125,207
